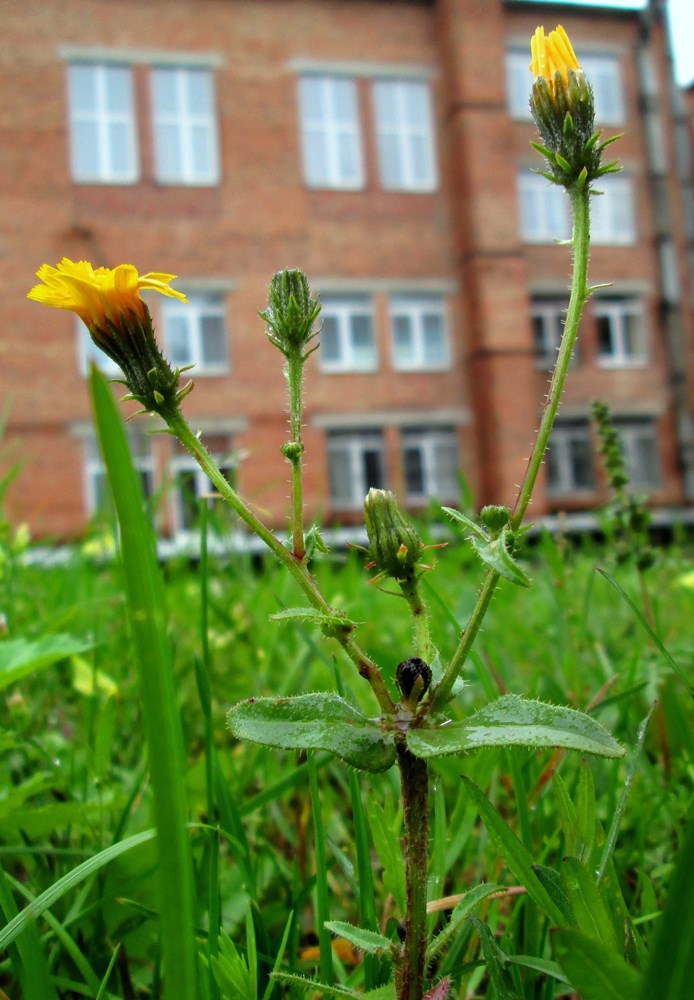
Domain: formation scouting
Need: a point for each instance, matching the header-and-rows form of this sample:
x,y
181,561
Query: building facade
x,y
383,147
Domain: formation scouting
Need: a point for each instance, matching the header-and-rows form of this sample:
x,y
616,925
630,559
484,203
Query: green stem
x,y
295,373
411,968
579,296
365,665
412,593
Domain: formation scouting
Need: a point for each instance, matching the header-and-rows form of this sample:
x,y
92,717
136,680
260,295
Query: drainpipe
x,y
672,304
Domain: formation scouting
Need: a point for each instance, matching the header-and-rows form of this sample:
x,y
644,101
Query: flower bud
x,y
410,673
563,107
291,311
394,546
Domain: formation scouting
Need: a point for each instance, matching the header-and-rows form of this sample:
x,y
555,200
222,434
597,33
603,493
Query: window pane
x,y
86,163
186,486
362,341
403,336
372,469
119,147
340,476
213,340
168,152
446,469
434,340
199,92
413,469
605,342
117,90
82,88
165,91
329,340
178,340
582,463
633,335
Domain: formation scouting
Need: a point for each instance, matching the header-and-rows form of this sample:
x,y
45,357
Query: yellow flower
x,y
100,296
552,54
108,301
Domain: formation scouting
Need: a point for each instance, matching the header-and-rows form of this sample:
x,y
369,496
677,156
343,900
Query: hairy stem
x,y
579,295
410,970
295,374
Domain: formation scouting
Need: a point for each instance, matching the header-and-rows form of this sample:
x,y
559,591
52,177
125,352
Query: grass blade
x,y
27,953
322,907
145,599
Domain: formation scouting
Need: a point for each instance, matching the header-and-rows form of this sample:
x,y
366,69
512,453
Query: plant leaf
x,y
596,973
513,852
515,721
587,903
364,940
319,721
476,530
495,554
21,657
462,909
496,962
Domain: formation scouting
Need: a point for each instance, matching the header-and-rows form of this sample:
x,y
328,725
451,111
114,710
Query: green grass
x,y
77,781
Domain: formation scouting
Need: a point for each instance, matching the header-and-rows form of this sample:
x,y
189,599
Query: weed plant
x,y
150,852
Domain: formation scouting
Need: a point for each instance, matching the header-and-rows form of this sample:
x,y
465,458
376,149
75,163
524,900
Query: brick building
x,y
384,147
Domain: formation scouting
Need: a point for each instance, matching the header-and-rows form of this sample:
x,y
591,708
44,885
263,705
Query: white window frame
x,y
404,132
331,131
543,209
192,313
617,311
415,308
551,312
612,218
428,441
352,446
184,463
342,310
103,118
632,431
564,434
186,123
598,68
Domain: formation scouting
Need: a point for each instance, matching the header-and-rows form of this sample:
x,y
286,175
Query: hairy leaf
x,y
319,721
515,721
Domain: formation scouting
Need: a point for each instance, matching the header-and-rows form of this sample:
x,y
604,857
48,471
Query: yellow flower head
x,y
100,296
552,54
108,301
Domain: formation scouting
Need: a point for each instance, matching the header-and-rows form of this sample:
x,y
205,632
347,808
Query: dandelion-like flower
x,y
109,303
563,107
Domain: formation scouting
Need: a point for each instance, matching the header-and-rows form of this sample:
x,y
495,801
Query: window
x,y
418,334
621,342
347,342
103,145
547,317
519,83
330,132
195,333
602,71
430,464
405,135
190,485
612,212
87,351
97,493
185,127
570,458
544,210
355,464
639,443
